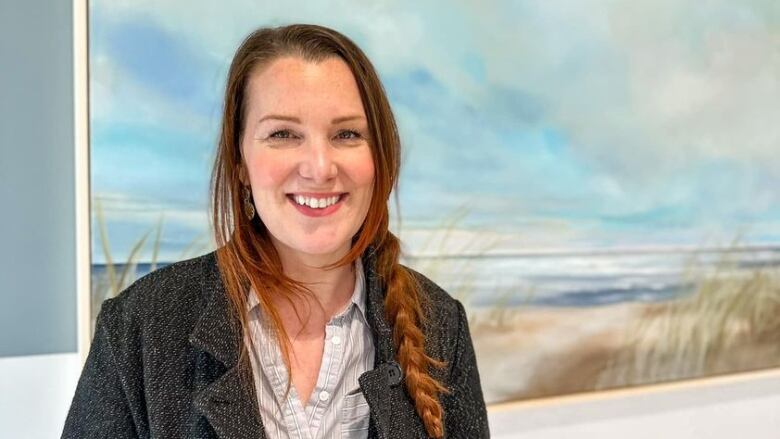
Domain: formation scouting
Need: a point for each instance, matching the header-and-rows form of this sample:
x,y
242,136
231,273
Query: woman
x,y
302,324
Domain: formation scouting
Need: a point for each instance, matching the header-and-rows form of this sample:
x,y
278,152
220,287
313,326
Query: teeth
x,y
316,203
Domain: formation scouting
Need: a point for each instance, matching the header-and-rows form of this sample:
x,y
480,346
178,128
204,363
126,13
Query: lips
x,y
316,194
316,199
330,202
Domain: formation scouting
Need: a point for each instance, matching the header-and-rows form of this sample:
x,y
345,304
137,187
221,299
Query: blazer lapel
x,y
224,389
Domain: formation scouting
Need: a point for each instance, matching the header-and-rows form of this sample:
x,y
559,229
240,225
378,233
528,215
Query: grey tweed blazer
x,y
164,363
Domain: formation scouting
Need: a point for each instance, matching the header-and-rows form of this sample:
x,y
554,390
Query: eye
x,y
348,135
281,134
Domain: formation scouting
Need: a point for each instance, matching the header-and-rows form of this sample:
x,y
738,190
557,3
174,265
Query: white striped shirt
x,y
337,407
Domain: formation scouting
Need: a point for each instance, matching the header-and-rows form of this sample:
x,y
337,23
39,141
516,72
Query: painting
x,y
596,181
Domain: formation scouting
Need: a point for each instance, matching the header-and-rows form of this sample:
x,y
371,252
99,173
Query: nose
x,y
319,164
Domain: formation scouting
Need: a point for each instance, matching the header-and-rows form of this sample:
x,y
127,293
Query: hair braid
x,y
404,310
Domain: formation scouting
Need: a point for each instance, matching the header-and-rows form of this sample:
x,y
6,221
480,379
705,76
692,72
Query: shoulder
x,y
446,321
172,291
437,299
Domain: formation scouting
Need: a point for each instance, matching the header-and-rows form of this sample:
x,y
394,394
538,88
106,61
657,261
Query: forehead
x,y
294,85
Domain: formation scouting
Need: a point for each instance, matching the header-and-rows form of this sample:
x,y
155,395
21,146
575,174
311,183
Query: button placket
x,y
292,407
329,375
343,334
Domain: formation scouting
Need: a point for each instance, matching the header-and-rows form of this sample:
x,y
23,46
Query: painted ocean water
x,y
576,279
583,279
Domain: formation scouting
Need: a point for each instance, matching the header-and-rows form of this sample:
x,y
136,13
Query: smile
x,y
315,206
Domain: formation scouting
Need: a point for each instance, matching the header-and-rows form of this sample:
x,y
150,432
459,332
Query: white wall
x,y
35,394
741,407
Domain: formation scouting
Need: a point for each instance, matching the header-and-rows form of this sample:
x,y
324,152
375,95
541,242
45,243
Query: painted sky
x,y
581,124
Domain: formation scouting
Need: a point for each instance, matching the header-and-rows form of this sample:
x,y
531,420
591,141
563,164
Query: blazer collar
x,y
217,329
375,308
224,391
230,406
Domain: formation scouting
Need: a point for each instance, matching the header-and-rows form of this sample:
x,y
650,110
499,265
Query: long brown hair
x,y
246,255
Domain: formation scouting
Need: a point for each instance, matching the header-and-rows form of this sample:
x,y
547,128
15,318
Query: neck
x,y
332,288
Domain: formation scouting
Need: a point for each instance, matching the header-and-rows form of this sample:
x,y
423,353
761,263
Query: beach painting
x,y
595,181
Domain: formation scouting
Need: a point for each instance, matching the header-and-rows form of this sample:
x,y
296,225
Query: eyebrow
x,y
297,120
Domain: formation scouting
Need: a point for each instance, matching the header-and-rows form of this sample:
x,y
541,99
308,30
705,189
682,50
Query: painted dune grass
x,y
728,323
118,275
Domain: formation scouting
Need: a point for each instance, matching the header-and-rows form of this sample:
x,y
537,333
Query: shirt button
x,y
335,339
324,395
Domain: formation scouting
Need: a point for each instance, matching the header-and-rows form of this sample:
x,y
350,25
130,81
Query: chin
x,y
320,248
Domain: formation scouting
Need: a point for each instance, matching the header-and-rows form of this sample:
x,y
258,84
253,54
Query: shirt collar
x,y
358,294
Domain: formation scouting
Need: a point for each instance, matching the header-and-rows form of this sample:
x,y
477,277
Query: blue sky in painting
x,y
654,123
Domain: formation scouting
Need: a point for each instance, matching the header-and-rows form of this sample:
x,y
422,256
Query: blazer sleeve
x,y
465,415
100,407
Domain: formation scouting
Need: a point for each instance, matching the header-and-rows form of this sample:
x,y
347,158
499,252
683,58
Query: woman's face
x,y
305,147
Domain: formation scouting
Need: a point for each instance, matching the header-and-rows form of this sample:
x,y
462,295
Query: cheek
x,y
267,170
363,170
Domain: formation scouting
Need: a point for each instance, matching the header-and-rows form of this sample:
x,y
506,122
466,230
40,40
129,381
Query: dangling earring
x,y
249,208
